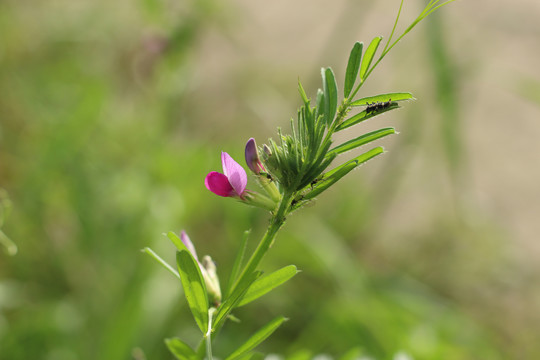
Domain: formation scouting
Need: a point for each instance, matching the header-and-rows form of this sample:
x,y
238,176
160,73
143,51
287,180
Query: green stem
x,y
208,335
278,219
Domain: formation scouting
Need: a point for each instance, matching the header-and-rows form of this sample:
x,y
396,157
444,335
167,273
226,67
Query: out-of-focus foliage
x,y
111,114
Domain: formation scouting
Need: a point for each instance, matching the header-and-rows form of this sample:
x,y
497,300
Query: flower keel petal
x,y
219,184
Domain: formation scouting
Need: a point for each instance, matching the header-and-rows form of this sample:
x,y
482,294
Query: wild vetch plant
x,y
292,171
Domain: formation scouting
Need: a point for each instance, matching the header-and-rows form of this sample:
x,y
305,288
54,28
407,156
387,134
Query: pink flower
x,y
232,183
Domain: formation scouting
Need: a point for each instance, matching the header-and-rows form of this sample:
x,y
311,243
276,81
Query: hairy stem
x,y
208,335
278,219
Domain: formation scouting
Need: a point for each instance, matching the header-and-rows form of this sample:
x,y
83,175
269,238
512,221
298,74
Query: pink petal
x,y
185,239
235,173
219,184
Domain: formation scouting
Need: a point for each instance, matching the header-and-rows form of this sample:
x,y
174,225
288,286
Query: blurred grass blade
x,y
363,116
368,56
303,354
398,96
253,356
237,263
161,261
266,283
257,338
353,354
352,68
331,177
194,288
180,349
9,246
230,302
330,95
362,140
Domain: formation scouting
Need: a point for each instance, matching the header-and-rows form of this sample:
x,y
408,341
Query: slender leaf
x,y
320,102
266,283
302,92
362,140
194,288
359,160
237,263
352,68
180,349
226,307
399,96
257,338
161,261
330,95
331,177
364,115
176,241
368,56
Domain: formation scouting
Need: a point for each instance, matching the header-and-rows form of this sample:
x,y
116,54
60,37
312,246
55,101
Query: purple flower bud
x,y
252,157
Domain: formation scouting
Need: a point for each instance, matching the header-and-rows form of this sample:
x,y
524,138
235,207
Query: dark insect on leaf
x,y
376,106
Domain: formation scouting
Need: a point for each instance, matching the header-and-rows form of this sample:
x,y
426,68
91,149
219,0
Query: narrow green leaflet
x,y
176,241
330,95
382,98
331,177
362,140
359,160
266,283
194,288
352,68
302,92
237,263
257,338
320,102
161,261
230,302
368,56
364,115
180,349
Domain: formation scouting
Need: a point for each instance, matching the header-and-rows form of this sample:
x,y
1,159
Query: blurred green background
x,y
111,114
